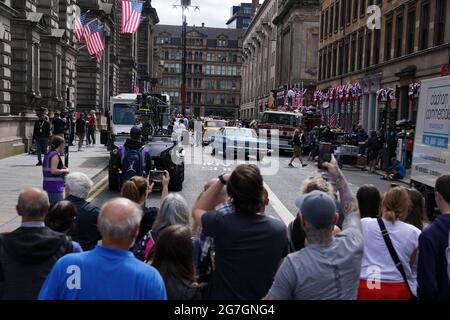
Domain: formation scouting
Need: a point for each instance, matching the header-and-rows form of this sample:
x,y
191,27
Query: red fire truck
x,y
286,122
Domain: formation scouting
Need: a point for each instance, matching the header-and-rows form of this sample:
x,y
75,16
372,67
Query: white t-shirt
x,y
405,239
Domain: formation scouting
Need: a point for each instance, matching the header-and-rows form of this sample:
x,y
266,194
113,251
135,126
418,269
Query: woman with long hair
x,y
173,210
369,200
173,259
137,189
54,170
417,214
388,239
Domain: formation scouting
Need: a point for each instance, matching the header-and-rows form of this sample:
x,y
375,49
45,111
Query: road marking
x,y
99,187
278,206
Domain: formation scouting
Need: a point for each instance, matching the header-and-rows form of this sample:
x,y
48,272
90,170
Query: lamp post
x,y
184,5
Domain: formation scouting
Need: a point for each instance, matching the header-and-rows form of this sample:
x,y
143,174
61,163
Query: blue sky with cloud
x,y
214,13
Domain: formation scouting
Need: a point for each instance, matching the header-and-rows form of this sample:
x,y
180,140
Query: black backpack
x,y
133,163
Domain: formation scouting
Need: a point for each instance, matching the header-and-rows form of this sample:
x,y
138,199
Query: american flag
x,y
334,120
79,27
93,38
131,16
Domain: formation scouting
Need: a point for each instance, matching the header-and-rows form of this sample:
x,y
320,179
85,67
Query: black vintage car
x,y
165,154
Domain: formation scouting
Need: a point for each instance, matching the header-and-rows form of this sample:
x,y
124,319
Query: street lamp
x,y
184,5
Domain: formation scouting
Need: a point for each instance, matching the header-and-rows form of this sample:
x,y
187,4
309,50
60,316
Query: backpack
x,y
133,162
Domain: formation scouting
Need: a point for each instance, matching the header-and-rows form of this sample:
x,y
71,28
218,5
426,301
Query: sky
x,y
214,13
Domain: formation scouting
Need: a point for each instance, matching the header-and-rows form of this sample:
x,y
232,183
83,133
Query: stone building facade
x,y
279,52
213,66
411,44
42,65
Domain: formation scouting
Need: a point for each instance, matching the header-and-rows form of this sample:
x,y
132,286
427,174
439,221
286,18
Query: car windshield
x,y
218,124
240,133
280,119
124,114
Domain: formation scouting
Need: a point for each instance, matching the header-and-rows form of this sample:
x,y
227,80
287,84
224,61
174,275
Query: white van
x,y
431,157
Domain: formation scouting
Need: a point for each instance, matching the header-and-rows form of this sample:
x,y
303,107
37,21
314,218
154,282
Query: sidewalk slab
x,y
20,171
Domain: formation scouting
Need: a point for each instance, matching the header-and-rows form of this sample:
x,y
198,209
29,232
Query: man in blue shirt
x,y
396,171
110,271
432,277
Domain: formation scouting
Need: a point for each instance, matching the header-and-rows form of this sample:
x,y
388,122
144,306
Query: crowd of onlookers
x,y
224,246
81,126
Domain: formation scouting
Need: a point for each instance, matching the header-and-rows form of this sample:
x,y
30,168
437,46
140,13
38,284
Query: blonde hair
x,y
395,204
316,183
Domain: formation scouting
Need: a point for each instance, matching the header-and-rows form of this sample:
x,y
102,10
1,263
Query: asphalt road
x,y
282,182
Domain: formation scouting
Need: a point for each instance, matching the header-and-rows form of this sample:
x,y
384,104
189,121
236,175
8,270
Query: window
x,y
209,98
197,83
197,98
376,46
331,20
439,28
334,66
329,63
322,17
362,8
368,48
388,41
424,25
326,24
210,84
166,55
399,36
352,54
320,66
346,52
360,50
342,20
348,7
221,43
341,58
336,17
355,9
411,31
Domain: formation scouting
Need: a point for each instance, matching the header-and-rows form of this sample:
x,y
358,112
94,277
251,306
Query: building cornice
x,y
8,11
285,8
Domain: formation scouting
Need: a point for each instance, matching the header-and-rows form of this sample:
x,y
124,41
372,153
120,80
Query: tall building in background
x,y
279,53
411,44
42,65
213,64
259,61
241,16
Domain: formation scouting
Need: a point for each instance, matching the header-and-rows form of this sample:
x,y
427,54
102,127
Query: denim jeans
x,y
41,147
55,197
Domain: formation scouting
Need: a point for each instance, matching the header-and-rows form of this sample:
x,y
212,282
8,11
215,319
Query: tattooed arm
x,y
349,203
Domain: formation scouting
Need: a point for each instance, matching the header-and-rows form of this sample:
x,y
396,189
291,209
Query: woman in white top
x,y
380,278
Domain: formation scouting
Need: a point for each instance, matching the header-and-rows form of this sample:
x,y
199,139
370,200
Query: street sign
x,y
445,70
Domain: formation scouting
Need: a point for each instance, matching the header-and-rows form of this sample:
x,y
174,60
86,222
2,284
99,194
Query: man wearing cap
x,y
134,156
328,267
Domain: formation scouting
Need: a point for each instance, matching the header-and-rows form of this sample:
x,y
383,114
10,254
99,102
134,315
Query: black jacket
x,y
59,126
41,129
85,233
27,255
133,144
80,126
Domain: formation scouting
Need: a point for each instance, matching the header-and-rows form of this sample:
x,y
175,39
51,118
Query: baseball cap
x,y
317,207
136,131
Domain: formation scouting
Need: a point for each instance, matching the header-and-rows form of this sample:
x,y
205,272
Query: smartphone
x,y
325,151
156,176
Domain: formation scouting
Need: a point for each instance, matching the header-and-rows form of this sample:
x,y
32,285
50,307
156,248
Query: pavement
x,y
20,171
